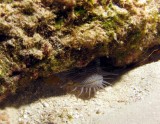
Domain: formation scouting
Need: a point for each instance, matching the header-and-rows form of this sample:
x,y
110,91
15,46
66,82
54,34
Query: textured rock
x,y
42,37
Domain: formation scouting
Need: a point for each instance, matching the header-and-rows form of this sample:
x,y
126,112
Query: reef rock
x,y
42,37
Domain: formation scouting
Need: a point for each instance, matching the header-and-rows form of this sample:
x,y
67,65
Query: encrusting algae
x,y
42,37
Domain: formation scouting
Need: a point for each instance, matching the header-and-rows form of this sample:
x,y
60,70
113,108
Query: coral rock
x,y
42,37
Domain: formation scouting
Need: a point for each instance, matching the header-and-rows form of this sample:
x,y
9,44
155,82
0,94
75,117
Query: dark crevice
x,y
15,73
29,60
4,37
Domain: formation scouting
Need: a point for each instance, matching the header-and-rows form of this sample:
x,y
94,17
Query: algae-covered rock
x,y
42,37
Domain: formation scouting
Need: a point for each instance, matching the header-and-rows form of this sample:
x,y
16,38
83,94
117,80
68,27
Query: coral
x,y
42,37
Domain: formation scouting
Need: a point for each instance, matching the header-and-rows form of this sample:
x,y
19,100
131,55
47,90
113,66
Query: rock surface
x,y
42,37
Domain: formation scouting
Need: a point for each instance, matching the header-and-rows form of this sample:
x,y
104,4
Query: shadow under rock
x,y
35,91
151,55
45,88
51,87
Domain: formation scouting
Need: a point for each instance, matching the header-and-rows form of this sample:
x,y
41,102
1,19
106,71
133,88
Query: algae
x,y
42,37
